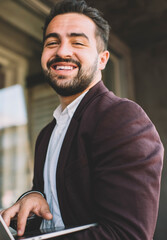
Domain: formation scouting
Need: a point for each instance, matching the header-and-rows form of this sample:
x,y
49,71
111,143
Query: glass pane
x,y
14,146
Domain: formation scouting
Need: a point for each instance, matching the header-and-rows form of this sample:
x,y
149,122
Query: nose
x,y
64,50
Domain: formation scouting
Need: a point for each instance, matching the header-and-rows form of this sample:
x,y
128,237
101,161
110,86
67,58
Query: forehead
x,y
71,22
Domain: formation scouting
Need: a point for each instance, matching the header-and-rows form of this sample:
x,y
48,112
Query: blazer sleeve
x,y
127,157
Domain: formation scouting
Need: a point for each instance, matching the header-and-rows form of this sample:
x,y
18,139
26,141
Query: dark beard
x,y
79,83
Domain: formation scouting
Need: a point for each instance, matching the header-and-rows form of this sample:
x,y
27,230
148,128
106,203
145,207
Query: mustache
x,y
59,59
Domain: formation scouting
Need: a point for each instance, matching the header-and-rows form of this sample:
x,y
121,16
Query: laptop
x,y
6,234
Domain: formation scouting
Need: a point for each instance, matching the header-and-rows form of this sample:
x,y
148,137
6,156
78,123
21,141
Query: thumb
x,y
46,214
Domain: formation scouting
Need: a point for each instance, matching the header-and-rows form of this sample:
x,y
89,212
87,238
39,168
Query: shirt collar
x,y
70,109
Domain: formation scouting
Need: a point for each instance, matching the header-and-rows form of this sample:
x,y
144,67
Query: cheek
x,y
44,59
87,58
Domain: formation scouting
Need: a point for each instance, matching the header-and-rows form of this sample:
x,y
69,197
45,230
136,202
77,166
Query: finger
x,y
44,211
22,220
9,213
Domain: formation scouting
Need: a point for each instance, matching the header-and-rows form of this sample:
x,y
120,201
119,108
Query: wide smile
x,y
64,68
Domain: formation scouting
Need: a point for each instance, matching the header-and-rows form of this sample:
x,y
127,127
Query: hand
x,y
31,203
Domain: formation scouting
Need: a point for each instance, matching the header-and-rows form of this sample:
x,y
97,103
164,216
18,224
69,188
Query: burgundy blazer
x,y
109,168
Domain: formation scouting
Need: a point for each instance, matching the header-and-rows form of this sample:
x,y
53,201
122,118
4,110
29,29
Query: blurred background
x,y
137,69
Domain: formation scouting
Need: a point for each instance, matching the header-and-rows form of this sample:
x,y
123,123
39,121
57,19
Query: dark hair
x,y
80,6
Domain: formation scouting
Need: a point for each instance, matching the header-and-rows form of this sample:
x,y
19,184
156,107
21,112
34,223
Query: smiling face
x,y
70,59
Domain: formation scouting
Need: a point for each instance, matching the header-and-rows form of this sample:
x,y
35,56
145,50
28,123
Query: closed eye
x,y
78,43
51,43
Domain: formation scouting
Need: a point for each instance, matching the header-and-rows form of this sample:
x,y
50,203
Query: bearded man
x,y
100,159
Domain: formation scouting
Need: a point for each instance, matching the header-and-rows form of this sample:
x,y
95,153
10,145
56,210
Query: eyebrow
x,y
78,35
56,35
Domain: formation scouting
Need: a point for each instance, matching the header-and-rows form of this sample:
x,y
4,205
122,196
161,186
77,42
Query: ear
x,y
103,57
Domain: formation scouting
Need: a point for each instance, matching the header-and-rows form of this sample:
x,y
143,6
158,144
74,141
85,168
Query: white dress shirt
x,y
63,119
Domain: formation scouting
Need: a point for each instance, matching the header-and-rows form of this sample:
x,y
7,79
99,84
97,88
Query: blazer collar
x,y
95,91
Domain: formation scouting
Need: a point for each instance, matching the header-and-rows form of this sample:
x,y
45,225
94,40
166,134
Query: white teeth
x,y
64,68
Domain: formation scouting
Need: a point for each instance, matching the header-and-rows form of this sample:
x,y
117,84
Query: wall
x,y
150,74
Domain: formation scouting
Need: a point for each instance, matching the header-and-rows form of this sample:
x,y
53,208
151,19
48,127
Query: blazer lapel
x,y
95,91
40,155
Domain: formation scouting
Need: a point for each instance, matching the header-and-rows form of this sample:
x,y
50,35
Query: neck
x,y
65,101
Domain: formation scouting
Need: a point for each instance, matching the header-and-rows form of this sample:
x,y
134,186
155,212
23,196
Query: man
x,y
100,159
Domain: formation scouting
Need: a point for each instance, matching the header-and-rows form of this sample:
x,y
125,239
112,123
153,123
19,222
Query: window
x,y
15,155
